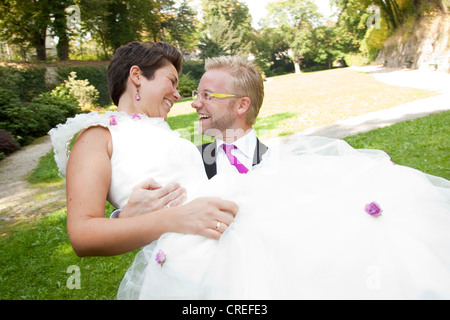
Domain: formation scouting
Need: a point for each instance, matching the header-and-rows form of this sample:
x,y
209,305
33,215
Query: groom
x,y
229,97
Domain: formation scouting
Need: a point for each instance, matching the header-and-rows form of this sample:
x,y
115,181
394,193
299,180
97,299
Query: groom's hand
x,y
150,196
208,217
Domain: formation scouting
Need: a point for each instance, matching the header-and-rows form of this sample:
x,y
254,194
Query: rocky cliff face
x,y
422,44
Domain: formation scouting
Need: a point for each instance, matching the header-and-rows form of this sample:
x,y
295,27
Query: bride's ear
x,y
135,75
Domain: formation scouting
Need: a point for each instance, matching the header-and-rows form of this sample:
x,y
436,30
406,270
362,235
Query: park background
x,y
53,60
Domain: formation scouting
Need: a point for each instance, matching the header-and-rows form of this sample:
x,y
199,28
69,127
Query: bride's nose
x,y
177,95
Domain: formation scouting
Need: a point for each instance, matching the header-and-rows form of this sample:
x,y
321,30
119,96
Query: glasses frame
x,y
195,95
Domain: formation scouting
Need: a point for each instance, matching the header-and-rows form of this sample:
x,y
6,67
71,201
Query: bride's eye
x,y
174,82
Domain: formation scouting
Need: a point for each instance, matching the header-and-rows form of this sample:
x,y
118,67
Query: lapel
x,y
208,152
261,148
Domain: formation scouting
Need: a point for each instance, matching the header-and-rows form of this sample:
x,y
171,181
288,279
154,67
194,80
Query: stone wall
x,y
424,45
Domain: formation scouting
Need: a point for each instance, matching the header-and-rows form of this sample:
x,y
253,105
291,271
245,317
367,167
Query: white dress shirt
x,y
245,153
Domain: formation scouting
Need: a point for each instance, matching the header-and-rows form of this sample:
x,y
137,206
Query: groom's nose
x,y
197,103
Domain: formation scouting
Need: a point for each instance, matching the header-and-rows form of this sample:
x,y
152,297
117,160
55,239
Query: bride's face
x,y
159,93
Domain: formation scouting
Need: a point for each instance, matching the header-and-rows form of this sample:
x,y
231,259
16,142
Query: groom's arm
x,y
149,196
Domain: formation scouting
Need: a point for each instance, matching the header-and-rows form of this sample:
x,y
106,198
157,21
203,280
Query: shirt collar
x,y
245,144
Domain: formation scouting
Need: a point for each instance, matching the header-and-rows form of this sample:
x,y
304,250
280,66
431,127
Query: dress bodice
x,y
148,148
143,147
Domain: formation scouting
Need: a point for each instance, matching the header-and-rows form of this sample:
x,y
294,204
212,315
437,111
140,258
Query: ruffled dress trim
x,y
63,134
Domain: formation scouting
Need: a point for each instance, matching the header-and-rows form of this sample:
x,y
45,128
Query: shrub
x,y
10,78
7,143
35,119
96,77
186,85
16,118
51,110
68,105
27,83
85,93
195,69
373,41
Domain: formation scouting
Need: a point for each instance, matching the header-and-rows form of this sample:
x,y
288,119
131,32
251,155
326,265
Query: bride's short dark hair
x,y
148,56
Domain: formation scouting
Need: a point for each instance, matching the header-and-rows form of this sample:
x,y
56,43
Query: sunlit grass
x,y
35,257
423,144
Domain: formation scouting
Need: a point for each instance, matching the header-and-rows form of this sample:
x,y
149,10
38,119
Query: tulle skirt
x,y
317,220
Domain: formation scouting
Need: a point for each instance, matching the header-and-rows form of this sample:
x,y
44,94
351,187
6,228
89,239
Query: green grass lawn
x,y
423,144
36,256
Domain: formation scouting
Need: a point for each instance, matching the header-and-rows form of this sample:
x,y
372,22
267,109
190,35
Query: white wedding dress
x,y
302,230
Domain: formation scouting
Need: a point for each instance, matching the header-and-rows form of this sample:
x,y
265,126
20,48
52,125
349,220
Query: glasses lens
x,y
204,95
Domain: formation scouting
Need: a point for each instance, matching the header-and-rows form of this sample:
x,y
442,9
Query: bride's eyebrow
x,y
173,75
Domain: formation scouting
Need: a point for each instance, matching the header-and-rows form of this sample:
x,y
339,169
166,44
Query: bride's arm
x,y
91,234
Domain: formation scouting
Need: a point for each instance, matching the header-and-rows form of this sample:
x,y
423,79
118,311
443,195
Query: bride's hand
x,y
208,217
149,196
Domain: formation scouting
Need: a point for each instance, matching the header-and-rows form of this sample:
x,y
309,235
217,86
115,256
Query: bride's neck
x,y
128,105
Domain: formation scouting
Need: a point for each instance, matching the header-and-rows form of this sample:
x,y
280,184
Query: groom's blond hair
x,y
247,81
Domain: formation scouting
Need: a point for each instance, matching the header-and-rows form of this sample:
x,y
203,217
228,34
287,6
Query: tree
x,y
271,52
233,11
180,27
113,23
58,27
222,39
321,47
356,17
25,23
295,19
226,28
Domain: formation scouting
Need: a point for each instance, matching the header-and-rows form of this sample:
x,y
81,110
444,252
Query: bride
x,y
316,219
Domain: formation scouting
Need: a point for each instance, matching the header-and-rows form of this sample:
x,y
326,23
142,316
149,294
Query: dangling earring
x,y
138,97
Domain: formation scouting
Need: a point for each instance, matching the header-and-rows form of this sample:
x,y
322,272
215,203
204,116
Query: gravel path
x,y
19,199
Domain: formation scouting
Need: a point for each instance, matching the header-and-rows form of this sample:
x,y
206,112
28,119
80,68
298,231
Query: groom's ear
x,y
244,105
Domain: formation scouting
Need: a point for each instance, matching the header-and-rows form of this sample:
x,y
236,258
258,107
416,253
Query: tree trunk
x,y
39,44
297,67
297,61
62,49
60,30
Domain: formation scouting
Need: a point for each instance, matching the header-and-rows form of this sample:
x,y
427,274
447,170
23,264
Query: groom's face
x,y
216,115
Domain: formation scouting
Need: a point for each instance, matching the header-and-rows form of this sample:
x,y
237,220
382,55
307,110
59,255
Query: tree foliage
x,y
25,23
111,23
293,33
295,20
226,28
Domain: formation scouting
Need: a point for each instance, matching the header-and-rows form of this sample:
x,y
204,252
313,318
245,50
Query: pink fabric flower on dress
x,y
112,120
160,257
136,116
373,209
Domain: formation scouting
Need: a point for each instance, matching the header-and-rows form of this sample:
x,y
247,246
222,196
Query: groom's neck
x,y
231,135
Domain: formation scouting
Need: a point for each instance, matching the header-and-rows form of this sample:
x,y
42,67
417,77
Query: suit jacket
x,y
208,152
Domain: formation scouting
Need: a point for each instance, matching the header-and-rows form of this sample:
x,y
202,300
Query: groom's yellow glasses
x,y
206,95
